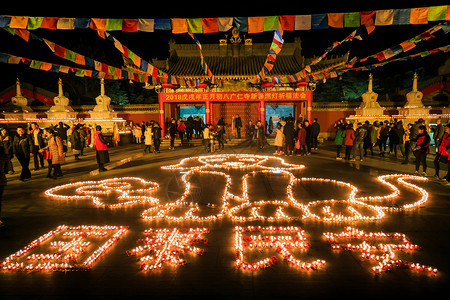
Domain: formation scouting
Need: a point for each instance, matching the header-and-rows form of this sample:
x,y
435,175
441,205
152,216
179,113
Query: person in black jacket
x,y
250,132
156,130
260,136
4,158
237,126
22,150
289,136
315,130
172,132
6,142
37,143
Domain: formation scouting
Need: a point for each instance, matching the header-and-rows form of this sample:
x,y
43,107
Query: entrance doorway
x,y
278,111
194,111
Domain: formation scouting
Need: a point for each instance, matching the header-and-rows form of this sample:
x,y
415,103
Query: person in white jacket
x,y
148,138
207,137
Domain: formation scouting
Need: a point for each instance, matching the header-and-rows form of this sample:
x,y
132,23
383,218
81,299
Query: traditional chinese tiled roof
x,y
238,61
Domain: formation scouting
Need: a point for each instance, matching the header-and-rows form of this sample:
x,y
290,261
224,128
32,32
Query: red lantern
x,y
201,85
167,85
302,83
267,84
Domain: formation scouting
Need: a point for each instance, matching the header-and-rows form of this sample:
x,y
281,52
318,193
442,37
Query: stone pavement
x,y
28,214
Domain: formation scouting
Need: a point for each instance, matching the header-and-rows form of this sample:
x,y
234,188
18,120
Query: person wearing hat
x,y
101,147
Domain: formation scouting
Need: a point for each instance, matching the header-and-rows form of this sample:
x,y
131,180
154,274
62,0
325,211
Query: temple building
x,y
234,61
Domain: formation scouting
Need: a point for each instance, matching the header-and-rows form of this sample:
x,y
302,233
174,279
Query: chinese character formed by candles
x,y
66,248
280,239
379,247
161,246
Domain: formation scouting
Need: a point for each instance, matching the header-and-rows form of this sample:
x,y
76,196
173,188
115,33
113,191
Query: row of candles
x,y
67,255
387,259
282,244
93,190
353,208
165,245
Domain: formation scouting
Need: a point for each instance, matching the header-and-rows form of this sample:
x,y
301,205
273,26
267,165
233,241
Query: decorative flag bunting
x,y
275,48
402,16
202,59
51,67
404,46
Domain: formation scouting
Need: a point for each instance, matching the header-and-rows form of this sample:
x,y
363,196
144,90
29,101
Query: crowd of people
x,y
394,137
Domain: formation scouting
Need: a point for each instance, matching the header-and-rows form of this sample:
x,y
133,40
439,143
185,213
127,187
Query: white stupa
x,y
414,107
103,109
370,107
61,111
24,111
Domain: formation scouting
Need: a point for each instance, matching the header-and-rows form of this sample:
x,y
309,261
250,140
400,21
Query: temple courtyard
x,y
231,224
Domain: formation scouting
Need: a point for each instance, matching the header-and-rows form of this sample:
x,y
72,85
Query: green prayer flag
x,y
69,55
35,64
111,70
34,22
271,23
435,13
352,19
195,25
113,24
79,73
131,55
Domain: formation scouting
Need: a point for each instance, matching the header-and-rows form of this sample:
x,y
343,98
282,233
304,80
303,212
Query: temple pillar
x,y
309,106
262,112
162,118
207,112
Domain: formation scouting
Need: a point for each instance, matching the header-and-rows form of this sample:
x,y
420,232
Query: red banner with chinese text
x,y
236,96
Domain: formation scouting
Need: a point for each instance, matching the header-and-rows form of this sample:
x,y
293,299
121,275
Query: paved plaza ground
x,y
28,214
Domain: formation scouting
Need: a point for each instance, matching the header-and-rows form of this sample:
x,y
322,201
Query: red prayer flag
x,y
287,22
210,25
367,20
130,25
60,51
380,56
23,33
49,22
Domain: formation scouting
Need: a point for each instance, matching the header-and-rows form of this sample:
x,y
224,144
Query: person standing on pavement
x,y
348,140
76,142
237,126
438,133
37,143
156,130
315,130
279,140
6,142
55,153
339,140
422,149
260,136
250,132
172,133
358,143
4,168
443,153
148,138
22,150
207,137
289,136
101,147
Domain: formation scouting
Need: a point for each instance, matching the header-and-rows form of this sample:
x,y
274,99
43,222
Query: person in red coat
x,y
348,140
101,147
422,149
301,140
443,153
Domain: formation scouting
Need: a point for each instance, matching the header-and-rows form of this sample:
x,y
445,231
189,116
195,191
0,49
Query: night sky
x,y
155,45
